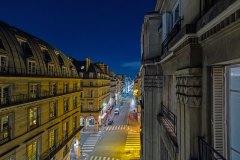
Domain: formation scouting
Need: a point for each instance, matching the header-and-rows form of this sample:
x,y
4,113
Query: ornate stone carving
x,y
152,82
188,89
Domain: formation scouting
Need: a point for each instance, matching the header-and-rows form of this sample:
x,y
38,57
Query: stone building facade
x,y
39,99
190,80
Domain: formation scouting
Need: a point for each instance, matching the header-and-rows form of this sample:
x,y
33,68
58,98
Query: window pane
x,y
235,79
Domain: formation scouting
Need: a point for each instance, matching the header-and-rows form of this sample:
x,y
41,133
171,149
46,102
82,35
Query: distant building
x,y
39,99
95,96
190,74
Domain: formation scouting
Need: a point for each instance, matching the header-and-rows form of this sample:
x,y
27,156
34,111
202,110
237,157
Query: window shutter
x,y
218,108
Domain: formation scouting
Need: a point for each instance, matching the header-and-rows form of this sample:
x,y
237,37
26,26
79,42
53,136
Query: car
x,y
110,122
116,111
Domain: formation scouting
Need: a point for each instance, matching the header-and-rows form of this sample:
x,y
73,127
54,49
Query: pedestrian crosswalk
x,y
116,127
90,143
103,158
133,142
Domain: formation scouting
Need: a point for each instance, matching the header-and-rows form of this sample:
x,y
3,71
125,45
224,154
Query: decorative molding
x,y
153,81
188,87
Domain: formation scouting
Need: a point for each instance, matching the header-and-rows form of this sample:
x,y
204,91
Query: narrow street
x,y
120,140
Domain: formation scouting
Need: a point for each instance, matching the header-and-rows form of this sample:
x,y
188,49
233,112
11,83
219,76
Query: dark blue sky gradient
x,y
105,30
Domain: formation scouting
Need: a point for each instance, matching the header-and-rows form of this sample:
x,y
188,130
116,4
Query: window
x,y
90,106
34,90
33,117
74,101
53,109
32,150
65,130
66,88
25,48
90,75
81,84
81,105
31,67
75,86
74,123
4,95
91,94
1,44
66,105
234,112
4,128
81,94
3,63
46,54
176,13
64,71
65,151
53,88
50,69
91,84
52,138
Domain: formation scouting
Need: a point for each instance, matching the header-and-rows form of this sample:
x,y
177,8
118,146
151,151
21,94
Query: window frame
x,y
31,69
3,68
33,126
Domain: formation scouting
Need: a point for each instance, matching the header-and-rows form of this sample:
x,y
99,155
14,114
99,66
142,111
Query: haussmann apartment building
x,y
190,76
39,99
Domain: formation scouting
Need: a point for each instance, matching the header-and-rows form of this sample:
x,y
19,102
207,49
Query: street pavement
x,y
119,141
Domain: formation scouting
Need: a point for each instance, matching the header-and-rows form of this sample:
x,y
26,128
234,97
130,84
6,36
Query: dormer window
x,y
31,67
25,48
50,69
3,63
1,45
46,54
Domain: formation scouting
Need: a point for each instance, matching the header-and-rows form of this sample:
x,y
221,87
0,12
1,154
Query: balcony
x,y
206,152
59,145
169,121
25,98
12,71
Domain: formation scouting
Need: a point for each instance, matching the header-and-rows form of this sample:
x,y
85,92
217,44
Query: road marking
x,y
104,158
95,158
99,158
91,158
108,158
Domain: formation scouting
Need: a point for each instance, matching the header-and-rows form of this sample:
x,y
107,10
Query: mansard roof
x,y
20,47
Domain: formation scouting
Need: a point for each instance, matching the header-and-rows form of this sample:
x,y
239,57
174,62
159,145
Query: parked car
x,y
110,122
116,111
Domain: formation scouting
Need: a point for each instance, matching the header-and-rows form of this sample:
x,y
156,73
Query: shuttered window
x,y
218,109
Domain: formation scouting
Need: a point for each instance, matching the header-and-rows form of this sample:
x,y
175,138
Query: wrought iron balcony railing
x,y
169,118
24,98
12,71
171,35
59,145
207,152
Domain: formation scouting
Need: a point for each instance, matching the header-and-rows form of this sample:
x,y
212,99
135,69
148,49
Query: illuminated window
x,y
4,129
74,101
65,129
66,105
50,69
33,117
3,63
53,109
4,95
31,67
34,90
32,150
53,88
52,138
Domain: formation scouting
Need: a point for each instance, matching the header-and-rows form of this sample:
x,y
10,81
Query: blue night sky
x,y
105,30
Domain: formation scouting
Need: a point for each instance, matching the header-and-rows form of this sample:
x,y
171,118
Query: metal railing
x,y
207,152
170,118
59,145
171,35
13,71
24,98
